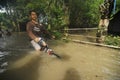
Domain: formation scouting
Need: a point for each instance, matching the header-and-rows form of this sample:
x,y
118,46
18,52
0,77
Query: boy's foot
x,y
51,53
55,55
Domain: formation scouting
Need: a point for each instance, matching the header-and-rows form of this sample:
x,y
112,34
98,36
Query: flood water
x,y
19,61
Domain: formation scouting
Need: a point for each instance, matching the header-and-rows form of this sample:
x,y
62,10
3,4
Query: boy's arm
x,y
45,31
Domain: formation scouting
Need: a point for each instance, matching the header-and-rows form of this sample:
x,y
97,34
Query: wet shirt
x,y
104,10
35,30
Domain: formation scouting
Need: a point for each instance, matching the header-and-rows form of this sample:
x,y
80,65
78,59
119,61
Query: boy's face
x,y
33,16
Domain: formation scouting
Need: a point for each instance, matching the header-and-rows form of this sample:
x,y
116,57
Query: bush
x,y
57,34
112,40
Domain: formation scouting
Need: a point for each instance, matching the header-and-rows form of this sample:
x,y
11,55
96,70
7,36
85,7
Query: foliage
x,y
53,10
112,40
84,13
93,14
56,15
4,22
59,13
57,34
117,5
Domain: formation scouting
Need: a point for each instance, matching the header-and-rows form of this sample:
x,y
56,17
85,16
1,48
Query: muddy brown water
x,y
79,61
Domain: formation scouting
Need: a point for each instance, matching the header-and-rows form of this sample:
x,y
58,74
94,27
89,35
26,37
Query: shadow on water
x,y
72,74
28,71
65,57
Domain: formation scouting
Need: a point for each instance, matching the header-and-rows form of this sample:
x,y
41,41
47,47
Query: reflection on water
x,y
19,61
3,62
112,68
28,71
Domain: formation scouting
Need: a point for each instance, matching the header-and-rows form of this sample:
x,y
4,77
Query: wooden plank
x,y
97,44
81,29
82,36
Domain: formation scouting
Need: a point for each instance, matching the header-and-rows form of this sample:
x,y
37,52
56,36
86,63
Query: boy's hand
x,y
37,39
53,37
40,40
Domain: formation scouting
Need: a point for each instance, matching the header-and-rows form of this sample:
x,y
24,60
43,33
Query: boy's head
x,y
33,15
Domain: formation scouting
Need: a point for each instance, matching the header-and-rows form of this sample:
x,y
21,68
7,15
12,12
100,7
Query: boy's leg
x,y
102,31
39,46
36,45
99,31
106,23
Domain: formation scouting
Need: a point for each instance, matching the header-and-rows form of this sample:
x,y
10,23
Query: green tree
x,y
59,13
84,13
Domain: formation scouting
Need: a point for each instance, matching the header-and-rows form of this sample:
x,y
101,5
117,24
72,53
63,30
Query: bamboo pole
x,y
96,44
81,29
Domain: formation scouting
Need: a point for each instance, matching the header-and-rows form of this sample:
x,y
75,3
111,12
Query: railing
x,y
87,36
69,29
81,31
